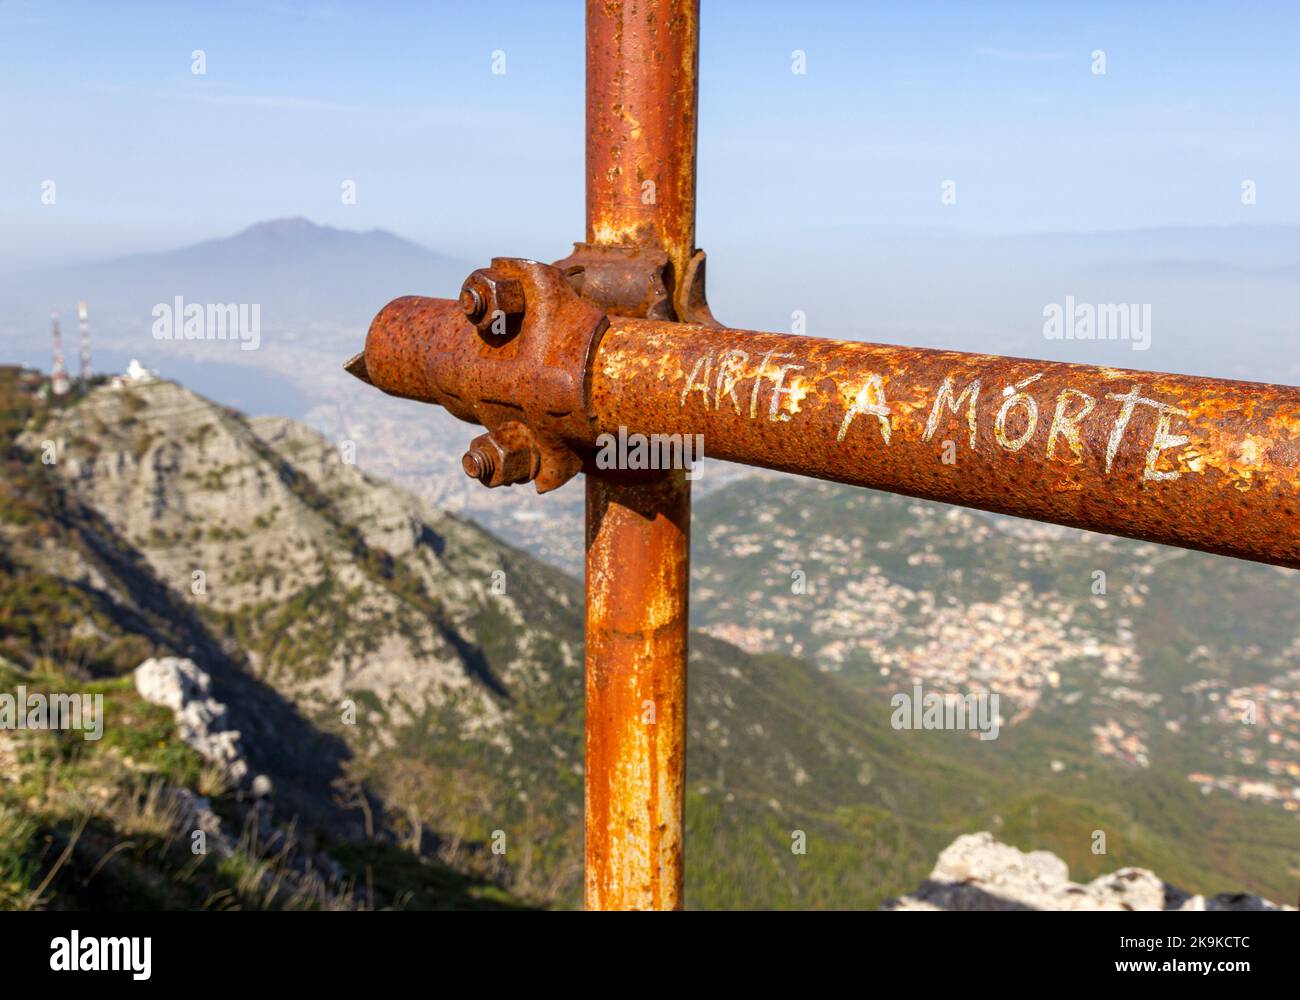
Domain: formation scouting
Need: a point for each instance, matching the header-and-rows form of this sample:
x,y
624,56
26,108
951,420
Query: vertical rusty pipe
x,y
637,547
642,91
642,85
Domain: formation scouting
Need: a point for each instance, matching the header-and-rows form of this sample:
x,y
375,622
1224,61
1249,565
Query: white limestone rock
x,y
201,722
976,872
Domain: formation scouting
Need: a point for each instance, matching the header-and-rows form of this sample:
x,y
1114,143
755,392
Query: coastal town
x,y
921,603
1259,739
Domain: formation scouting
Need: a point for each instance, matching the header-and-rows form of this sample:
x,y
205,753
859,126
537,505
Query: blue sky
x,y
400,98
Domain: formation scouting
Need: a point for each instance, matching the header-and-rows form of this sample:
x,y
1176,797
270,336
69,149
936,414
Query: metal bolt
x,y
478,464
503,457
471,300
488,296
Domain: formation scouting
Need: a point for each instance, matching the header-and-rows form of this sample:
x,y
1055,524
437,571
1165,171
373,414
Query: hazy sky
x,y
401,98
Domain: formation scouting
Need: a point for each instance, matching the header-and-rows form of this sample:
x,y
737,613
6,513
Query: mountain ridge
x,y
456,710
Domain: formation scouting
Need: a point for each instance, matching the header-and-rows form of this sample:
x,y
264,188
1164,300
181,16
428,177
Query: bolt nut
x,y
493,302
504,457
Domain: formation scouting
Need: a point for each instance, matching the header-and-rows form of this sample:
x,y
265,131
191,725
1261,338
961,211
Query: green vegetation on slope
x,y
91,824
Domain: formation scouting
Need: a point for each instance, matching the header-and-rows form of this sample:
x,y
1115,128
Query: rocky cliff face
x,y
340,588
387,665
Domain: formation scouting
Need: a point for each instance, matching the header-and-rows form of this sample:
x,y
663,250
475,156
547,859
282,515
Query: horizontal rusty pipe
x,y
1201,463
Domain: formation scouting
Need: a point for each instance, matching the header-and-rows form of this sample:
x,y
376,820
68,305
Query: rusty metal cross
x,y
618,338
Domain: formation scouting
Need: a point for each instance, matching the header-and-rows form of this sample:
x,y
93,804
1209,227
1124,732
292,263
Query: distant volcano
x,y
303,275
